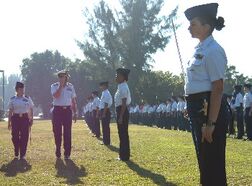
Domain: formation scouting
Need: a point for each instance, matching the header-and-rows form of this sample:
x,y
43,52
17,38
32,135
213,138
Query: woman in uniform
x,y
122,101
20,120
204,89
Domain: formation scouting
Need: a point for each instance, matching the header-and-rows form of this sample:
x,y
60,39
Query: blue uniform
x,y
207,65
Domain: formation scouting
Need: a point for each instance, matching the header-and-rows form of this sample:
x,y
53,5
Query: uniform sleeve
x,y
31,103
123,92
10,105
216,63
53,89
106,98
73,93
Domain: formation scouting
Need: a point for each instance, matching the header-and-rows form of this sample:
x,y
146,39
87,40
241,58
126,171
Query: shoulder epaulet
x,y
55,84
13,97
70,84
26,96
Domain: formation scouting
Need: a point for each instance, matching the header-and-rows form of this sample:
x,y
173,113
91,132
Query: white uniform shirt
x,y
95,103
105,98
20,105
89,106
160,108
168,108
66,96
238,100
136,109
121,93
207,65
247,100
174,106
181,106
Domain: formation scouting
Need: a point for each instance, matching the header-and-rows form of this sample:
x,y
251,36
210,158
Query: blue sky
x,y
29,26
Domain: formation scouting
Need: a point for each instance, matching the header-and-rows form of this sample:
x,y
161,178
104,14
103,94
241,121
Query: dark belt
x,y
21,115
62,107
198,96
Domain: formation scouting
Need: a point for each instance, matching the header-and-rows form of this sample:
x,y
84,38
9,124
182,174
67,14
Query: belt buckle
x,y
20,115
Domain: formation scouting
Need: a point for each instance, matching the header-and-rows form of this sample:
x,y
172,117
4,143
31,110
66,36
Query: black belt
x,y
21,115
198,96
62,107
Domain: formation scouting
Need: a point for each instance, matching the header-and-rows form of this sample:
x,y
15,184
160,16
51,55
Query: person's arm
x,y
9,118
57,93
214,108
123,108
74,108
105,110
215,100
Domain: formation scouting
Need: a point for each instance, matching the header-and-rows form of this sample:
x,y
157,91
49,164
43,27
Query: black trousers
x,y
240,124
248,121
20,134
105,127
96,124
124,152
211,156
62,118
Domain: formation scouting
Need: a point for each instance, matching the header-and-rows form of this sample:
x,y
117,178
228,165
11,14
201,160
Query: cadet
x,y
204,81
248,110
122,100
105,104
95,114
64,103
238,106
20,120
174,106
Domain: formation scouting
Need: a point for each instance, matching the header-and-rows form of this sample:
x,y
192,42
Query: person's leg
x,y
106,129
57,130
24,136
67,132
15,134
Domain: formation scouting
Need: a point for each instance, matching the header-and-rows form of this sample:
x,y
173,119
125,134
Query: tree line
x,y
126,37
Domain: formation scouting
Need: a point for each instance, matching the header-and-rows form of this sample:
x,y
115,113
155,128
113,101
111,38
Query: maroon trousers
x,y
20,134
62,119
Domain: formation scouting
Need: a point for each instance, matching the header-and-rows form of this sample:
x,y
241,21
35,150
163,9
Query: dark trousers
x,y
62,118
211,156
240,124
96,125
20,134
124,152
106,128
248,121
231,129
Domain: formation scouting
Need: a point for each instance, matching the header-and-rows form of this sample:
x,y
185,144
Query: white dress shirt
x,y
121,93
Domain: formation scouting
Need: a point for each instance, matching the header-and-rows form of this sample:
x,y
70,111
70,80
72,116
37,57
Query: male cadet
x,y
65,106
238,105
95,114
247,102
104,107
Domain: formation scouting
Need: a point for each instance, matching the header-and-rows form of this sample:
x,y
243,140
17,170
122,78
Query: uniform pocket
x,y
198,70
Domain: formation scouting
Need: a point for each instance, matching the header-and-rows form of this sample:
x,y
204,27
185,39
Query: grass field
x,y
159,157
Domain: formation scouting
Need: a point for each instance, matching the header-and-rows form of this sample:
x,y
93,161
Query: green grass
x,y
159,157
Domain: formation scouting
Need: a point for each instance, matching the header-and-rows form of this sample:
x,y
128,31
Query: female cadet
x,y
64,104
122,100
20,120
204,88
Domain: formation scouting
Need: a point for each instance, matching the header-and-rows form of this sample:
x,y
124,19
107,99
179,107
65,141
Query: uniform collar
x,y
205,43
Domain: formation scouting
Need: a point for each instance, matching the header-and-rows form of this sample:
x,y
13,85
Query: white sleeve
x,y
73,93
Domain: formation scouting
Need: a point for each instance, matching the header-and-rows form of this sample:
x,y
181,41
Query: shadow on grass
x,y
70,171
156,178
112,148
14,167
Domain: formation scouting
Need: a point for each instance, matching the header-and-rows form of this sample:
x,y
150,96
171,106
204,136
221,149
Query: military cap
x,y
19,85
205,10
63,72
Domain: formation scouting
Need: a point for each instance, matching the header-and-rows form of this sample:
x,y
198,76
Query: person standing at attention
x,y
105,104
122,101
204,84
